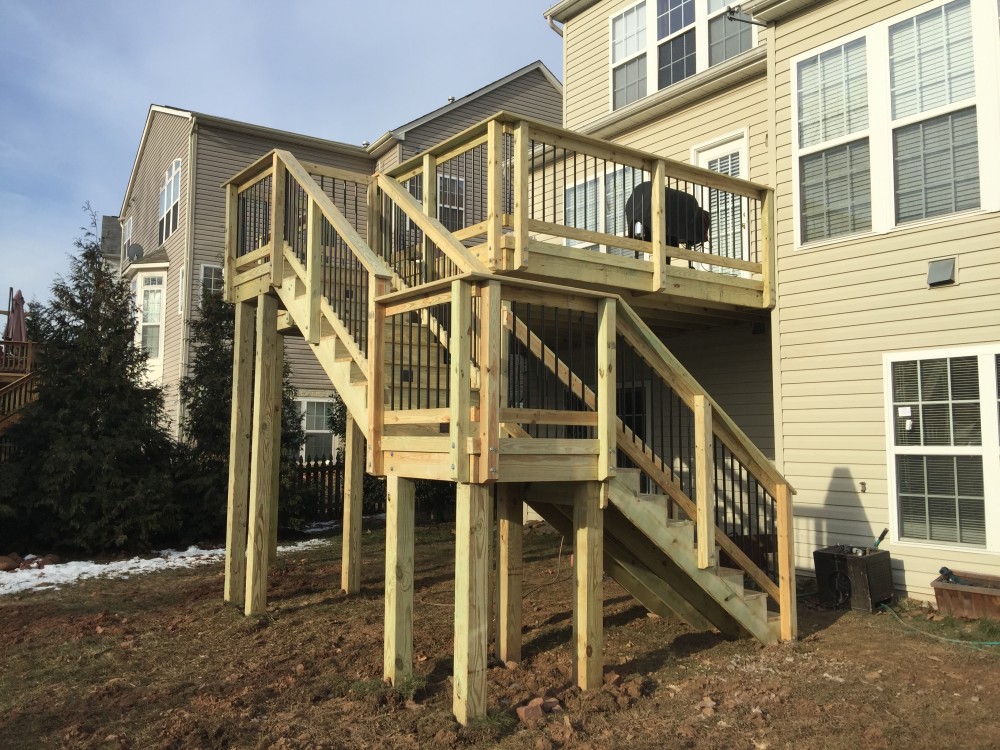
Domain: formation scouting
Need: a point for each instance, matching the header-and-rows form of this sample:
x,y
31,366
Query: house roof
x,y
385,141
566,9
234,125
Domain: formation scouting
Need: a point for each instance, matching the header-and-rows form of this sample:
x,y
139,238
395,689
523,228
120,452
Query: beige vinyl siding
x,y
841,306
586,82
221,154
531,95
389,159
167,141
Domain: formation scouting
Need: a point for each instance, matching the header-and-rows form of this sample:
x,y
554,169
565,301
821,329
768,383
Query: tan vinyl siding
x,y
587,87
167,141
531,95
842,305
389,159
221,154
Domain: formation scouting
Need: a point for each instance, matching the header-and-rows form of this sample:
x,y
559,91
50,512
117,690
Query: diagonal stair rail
x,y
14,397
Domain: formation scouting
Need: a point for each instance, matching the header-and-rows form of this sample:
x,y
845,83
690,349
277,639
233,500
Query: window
x,y
451,202
212,281
897,107
598,205
149,331
319,443
944,446
691,36
170,199
728,157
126,237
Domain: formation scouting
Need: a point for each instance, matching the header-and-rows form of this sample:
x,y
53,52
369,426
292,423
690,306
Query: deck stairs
x,y
652,523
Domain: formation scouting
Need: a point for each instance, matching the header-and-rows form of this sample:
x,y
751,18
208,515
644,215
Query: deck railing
x,y
17,357
14,397
509,186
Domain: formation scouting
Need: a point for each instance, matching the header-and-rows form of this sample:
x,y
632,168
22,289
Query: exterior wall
x,y
167,140
841,305
389,159
221,153
586,63
531,95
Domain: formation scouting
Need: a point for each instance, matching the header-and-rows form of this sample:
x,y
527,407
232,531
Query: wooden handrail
x,y
17,357
15,396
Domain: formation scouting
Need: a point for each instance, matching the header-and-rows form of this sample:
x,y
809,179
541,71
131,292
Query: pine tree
x,y
91,469
207,394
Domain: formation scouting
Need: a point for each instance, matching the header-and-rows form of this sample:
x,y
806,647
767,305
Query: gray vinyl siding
x,y
841,306
389,159
531,95
167,140
221,154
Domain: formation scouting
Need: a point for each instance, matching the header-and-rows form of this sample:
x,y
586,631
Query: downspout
x,y
552,25
189,266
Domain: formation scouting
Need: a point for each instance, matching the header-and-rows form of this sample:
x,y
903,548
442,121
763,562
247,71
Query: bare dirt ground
x,y
160,662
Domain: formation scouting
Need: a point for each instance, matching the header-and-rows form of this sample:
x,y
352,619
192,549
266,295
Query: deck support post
x,y
588,587
510,519
314,270
277,384
430,205
657,232
239,455
522,139
354,478
278,221
607,426
376,382
473,531
460,349
494,194
704,482
263,452
786,563
399,520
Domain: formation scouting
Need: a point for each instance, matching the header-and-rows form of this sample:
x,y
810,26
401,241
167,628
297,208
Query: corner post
x,y
588,587
460,348
239,455
704,458
430,203
510,519
232,230
489,380
494,194
606,359
354,479
658,230
399,520
376,378
473,530
769,249
786,563
314,270
522,139
262,452
277,220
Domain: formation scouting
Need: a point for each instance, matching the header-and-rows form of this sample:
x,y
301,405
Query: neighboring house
x,y
173,214
874,384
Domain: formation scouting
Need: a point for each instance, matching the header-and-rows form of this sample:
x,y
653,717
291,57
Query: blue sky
x,y
76,81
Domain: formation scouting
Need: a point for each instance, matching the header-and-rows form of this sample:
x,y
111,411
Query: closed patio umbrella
x,y
15,358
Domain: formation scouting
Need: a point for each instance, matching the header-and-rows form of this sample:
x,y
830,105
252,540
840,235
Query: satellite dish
x,y
133,252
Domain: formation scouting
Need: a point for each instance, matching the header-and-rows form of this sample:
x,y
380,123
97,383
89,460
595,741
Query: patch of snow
x,y
320,526
65,574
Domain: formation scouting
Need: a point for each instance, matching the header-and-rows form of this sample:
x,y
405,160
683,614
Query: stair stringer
x,y
675,540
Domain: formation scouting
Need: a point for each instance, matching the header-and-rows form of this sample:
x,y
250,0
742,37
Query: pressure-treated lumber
x,y
494,191
398,640
606,380
354,476
786,563
510,567
276,384
239,455
473,530
588,587
704,472
277,220
266,408
460,348
490,374
658,238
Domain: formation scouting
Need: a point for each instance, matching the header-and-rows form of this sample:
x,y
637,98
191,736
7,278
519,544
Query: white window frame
x,y
170,198
702,16
989,449
701,154
986,56
206,267
154,365
126,238
306,432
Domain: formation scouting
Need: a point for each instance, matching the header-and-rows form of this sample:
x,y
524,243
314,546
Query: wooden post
x,y
262,467
314,270
376,382
786,563
588,588
494,194
460,348
473,529
768,253
372,233
430,203
277,221
510,516
489,380
704,483
398,646
354,479
277,384
607,419
232,231
239,455
659,228
522,215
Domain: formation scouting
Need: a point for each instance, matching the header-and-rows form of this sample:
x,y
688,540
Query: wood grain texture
x,y
398,640
510,520
588,587
239,455
354,466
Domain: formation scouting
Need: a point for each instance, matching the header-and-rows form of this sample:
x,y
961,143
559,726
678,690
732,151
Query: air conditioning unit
x,y
860,576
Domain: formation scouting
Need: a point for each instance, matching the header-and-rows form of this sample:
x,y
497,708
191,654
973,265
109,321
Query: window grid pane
x,y
725,209
628,33
629,82
833,94
835,190
936,402
726,39
672,16
936,166
676,59
942,498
